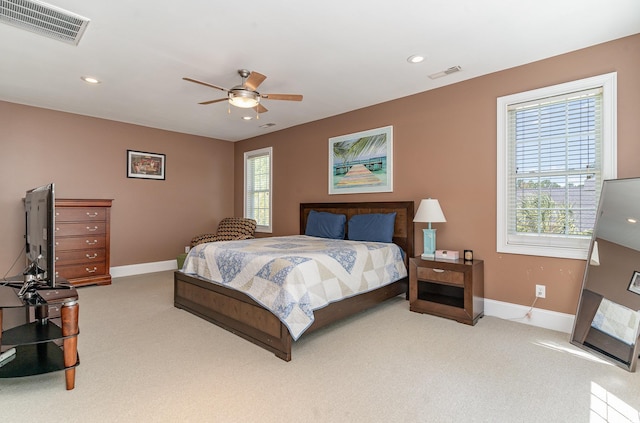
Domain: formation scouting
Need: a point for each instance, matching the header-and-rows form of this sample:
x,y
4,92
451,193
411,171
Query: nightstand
x,y
448,288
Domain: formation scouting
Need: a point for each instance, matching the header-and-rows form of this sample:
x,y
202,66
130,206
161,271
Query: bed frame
x,y
240,314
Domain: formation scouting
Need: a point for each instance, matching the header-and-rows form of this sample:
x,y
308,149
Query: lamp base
x,y
429,243
428,256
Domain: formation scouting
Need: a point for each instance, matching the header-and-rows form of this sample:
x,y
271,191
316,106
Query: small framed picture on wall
x,y
145,165
634,285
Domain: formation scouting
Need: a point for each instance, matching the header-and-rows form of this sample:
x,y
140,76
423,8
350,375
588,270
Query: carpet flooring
x,y
142,360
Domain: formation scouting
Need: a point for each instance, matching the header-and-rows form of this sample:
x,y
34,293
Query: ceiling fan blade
x,y
254,80
289,97
261,109
206,84
214,101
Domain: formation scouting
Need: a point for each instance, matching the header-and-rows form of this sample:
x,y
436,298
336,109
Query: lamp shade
x,y
429,211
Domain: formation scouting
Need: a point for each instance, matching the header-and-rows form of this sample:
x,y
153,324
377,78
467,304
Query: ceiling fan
x,y
245,94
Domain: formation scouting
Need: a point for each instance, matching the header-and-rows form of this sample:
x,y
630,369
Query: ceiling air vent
x,y
43,19
446,72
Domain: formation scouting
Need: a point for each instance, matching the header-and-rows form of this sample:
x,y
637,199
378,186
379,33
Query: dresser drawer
x,y
80,256
82,270
80,242
75,214
451,277
85,228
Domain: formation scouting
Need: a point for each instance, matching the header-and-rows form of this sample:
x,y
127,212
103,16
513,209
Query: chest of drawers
x,y
83,241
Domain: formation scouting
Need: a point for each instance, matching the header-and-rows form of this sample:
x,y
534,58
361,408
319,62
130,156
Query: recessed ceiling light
x,y
416,58
90,79
632,220
247,117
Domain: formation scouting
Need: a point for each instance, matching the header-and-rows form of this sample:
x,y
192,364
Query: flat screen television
x,y
39,206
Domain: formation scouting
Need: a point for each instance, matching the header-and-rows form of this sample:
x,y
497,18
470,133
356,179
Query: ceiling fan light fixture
x,y
243,98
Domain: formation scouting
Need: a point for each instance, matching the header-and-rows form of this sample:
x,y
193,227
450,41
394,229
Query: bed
x,y
240,314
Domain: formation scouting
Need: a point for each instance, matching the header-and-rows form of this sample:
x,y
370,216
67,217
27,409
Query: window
x,y
555,147
257,187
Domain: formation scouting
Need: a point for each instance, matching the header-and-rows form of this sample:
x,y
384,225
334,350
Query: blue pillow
x,y
376,227
325,225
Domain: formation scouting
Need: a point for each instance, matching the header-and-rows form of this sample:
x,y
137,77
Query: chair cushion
x,y
229,229
233,228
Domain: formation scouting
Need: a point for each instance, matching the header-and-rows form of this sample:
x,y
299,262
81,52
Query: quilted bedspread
x,y
294,275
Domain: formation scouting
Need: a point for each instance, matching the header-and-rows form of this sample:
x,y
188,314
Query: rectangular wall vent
x,y
43,19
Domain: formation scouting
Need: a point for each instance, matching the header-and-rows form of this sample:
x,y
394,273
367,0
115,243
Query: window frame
x,y
248,155
540,245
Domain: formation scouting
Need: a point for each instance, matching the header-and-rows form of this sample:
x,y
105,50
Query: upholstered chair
x,y
229,229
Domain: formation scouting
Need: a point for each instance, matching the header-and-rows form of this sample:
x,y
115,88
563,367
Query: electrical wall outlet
x,y
186,248
541,291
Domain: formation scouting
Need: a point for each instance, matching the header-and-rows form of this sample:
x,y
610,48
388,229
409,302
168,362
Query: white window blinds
x,y
555,147
555,173
258,188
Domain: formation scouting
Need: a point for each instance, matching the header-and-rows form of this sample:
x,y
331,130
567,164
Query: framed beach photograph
x,y
145,165
361,162
634,285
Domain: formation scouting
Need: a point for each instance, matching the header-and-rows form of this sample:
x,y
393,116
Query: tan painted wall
x,y
445,148
86,158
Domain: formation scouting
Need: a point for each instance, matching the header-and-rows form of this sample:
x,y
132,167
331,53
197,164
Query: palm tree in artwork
x,y
369,146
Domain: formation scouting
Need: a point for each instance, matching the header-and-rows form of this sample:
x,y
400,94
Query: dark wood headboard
x,y
402,231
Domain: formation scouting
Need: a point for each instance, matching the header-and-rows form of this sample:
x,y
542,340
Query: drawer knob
x,y
438,270
95,241
90,229
91,257
92,214
91,271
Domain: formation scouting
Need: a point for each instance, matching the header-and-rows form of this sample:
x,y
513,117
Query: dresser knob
x,y
91,257
92,214
95,228
91,271
95,241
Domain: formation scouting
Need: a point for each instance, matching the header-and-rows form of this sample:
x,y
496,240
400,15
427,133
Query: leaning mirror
x,y
608,317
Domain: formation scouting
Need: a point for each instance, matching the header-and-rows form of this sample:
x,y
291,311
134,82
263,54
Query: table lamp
x,y
429,211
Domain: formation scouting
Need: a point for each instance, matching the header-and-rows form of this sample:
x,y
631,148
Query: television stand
x,y
48,341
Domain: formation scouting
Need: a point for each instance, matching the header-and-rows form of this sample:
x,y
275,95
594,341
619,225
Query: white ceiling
x,y
341,55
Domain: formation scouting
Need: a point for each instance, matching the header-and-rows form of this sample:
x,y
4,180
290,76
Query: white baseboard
x,y
540,317
518,313
139,269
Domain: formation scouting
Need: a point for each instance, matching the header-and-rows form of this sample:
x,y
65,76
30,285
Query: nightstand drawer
x,y
447,276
